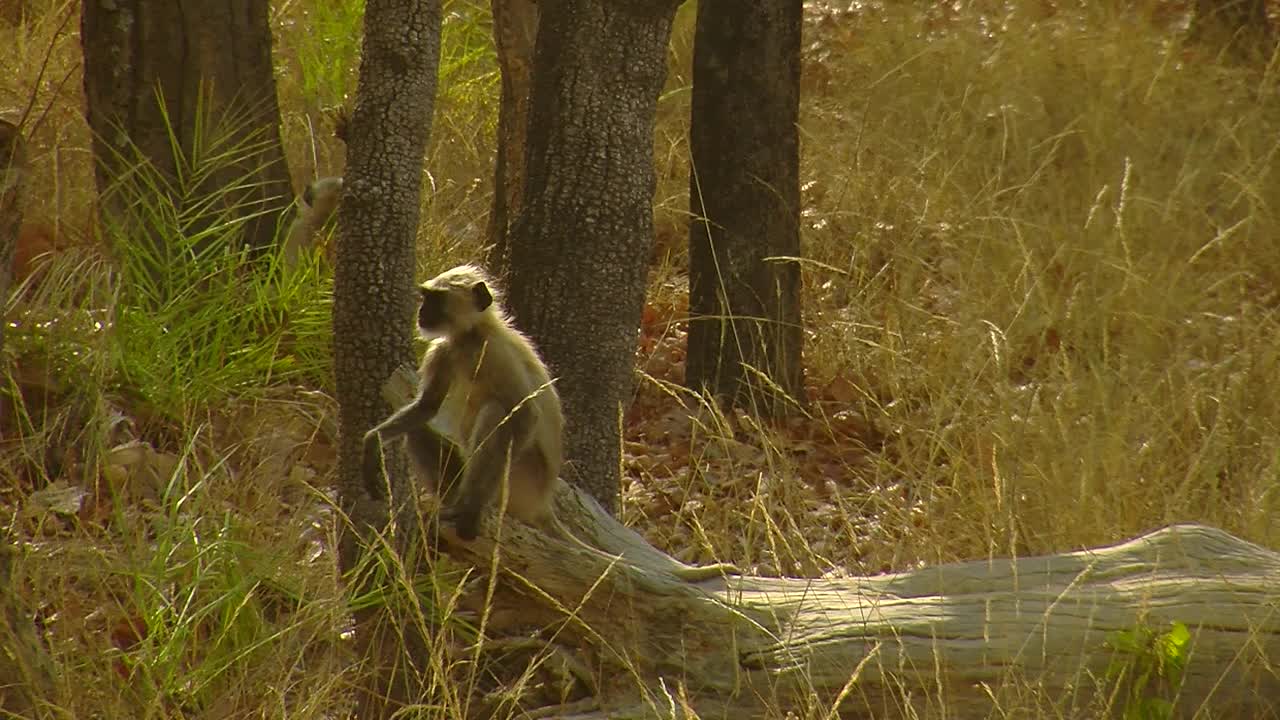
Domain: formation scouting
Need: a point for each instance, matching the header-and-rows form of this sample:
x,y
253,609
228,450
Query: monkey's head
x,y
323,195
454,302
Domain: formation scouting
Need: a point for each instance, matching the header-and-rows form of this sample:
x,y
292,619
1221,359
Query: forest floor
x,y
1041,287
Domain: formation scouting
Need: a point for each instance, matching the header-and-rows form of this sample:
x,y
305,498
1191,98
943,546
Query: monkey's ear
x,y
483,298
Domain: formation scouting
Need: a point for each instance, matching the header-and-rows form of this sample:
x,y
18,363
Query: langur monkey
x,y
316,205
507,412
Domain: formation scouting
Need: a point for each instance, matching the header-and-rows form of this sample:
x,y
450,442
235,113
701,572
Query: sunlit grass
x,y
1056,275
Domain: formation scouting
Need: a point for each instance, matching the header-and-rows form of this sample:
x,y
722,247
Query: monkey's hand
x,y
371,465
465,521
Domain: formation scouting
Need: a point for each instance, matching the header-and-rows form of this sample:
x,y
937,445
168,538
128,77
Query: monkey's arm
x,y
412,417
436,460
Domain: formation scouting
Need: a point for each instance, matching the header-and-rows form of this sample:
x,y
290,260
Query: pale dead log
x,y
955,640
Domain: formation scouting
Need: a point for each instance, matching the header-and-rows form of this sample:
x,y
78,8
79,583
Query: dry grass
x,y
1042,283
1042,290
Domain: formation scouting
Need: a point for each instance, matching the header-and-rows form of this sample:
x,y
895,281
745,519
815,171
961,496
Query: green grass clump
x,y
197,315
323,39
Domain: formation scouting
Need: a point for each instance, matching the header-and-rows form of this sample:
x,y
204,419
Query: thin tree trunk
x,y
206,61
515,30
373,304
13,175
745,332
580,247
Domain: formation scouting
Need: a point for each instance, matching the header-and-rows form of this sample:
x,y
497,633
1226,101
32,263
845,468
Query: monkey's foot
x,y
465,522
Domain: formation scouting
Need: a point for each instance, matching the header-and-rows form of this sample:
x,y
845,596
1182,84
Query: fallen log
x,y
1078,634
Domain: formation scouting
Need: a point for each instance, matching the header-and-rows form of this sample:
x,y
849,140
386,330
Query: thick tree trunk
x,y
208,62
374,299
515,30
580,247
745,332
13,173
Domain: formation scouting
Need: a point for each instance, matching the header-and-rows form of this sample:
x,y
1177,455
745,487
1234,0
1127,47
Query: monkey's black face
x,y
433,316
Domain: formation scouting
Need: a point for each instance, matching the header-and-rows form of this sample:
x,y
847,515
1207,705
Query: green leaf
x,y
1173,648
1135,641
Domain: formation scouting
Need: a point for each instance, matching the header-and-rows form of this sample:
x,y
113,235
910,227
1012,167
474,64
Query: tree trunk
x,y
209,62
580,247
13,175
963,640
515,30
374,299
745,332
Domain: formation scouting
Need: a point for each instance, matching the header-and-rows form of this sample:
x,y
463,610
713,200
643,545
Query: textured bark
x,y
745,332
13,172
208,61
515,30
373,302
580,247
